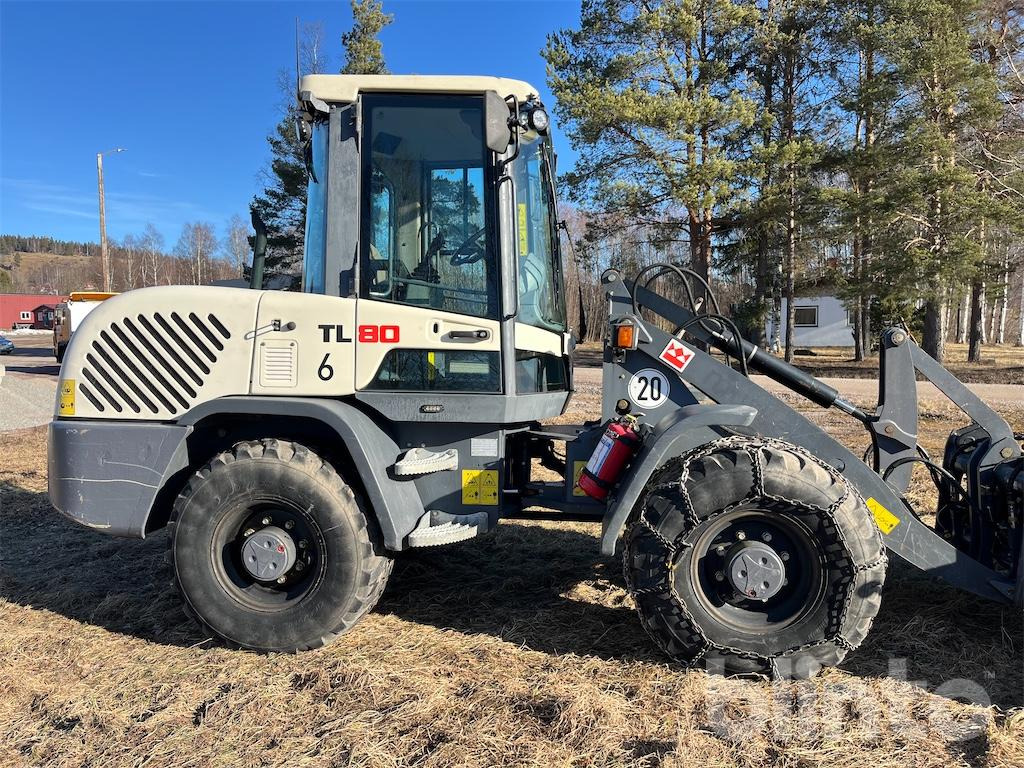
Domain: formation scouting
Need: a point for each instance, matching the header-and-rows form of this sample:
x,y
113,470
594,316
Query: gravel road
x,y
28,388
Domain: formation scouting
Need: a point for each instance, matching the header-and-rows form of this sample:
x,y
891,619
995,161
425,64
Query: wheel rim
x,y
785,584
244,533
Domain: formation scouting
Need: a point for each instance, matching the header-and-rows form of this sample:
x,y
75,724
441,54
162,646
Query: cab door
x,y
428,316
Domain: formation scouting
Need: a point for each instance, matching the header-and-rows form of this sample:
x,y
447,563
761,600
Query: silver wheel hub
x,y
755,570
268,554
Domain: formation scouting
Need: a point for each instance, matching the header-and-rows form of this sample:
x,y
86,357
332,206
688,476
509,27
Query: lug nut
x,y
719,576
299,565
265,521
249,532
740,535
282,580
720,550
289,524
784,556
303,544
766,537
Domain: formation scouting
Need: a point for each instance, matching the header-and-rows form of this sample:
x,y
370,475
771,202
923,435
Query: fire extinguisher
x,y
617,446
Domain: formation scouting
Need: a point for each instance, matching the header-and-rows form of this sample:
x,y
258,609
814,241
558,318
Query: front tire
x,y
273,551
753,557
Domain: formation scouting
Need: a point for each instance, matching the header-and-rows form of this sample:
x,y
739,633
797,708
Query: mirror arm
x,y
513,123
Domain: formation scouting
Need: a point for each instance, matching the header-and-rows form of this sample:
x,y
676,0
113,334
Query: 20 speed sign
x,y
648,388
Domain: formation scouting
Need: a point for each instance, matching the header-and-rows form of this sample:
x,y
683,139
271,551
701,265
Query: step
x,y
436,528
423,461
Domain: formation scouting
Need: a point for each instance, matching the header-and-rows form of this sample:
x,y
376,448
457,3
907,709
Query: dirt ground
x,y
519,648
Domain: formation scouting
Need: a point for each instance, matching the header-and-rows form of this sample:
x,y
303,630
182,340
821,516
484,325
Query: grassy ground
x,y
999,364
519,648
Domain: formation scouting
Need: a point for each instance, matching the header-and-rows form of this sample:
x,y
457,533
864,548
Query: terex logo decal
x,y
677,355
365,334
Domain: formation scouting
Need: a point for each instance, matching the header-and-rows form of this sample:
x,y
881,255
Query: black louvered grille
x,y
152,362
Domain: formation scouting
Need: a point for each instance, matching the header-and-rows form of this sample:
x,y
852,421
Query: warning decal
x,y
67,397
885,519
480,486
577,471
677,355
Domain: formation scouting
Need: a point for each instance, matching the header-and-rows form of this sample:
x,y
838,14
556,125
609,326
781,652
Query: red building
x,y
28,310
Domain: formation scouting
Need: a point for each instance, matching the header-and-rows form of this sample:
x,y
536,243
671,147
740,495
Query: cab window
x,y
427,234
541,290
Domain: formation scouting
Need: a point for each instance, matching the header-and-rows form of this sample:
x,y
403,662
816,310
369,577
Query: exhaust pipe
x,y
259,251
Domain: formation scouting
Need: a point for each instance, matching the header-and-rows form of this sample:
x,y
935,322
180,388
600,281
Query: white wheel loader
x,y
295,442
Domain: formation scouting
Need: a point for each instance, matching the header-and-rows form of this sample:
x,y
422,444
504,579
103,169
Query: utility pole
x,y
104,256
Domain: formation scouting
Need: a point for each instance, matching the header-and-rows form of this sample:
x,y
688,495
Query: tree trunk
x,y
1020,335
933,340
858,302
1004,299
977,324
983,313
961,318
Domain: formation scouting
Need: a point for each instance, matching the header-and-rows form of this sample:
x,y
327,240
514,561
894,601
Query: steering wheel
x,y
458,258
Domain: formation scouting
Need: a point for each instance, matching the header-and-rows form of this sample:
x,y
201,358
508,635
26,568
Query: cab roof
x,y
345,88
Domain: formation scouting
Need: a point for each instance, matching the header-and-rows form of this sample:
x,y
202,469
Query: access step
x,y
436,528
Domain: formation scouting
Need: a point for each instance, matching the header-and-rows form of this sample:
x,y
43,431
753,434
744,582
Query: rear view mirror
x,y
496,117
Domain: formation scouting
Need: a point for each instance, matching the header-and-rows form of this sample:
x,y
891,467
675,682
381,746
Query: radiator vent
x,y
277,364
152,363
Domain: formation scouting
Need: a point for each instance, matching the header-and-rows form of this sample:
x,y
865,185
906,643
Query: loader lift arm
x,y
893,428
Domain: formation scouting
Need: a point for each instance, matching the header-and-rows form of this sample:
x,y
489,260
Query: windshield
x,y
541,297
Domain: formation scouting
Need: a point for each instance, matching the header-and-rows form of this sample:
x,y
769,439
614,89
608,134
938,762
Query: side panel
x,y
105,475
313,353
534,339
399,326
154,353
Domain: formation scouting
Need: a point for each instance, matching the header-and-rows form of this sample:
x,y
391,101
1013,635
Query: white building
x,y
821,321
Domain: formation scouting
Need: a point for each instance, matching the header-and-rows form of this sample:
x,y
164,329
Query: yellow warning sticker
x,y
577,471
524,239
886,520
67,398
480,486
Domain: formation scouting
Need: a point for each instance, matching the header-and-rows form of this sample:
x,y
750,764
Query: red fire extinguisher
x,y
617,446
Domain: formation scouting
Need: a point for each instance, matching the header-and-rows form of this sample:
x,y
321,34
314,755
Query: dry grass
x,y
519,648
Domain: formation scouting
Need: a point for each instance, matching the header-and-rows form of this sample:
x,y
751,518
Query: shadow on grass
x,y
543,588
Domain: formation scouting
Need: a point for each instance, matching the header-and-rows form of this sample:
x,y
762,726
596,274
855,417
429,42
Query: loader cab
x,y
445,237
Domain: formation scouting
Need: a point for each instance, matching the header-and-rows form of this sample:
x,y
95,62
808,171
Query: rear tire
x,y
331,567
707,523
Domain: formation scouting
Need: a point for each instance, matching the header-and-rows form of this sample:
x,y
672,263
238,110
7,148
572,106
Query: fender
x,y
680,431
396,504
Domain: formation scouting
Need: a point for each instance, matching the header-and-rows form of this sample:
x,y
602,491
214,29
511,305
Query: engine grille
x,y
153,363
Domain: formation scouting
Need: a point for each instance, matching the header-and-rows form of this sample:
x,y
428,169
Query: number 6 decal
x,y
326,370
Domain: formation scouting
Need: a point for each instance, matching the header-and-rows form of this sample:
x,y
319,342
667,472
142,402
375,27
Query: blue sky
x,y
190,89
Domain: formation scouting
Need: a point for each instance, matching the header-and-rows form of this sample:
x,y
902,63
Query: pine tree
x,y
364,54
282,204
648,93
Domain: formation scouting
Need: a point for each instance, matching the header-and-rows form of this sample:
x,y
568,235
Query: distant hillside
x,y
35,272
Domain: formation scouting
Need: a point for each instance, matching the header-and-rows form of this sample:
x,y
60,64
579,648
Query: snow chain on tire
x,y
656,539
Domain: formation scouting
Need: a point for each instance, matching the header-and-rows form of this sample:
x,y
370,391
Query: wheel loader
x,y
296,443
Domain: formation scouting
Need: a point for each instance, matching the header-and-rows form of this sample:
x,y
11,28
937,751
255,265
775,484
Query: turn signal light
x,y
625,336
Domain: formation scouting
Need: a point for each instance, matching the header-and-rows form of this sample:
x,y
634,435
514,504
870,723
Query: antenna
x,y
298,76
